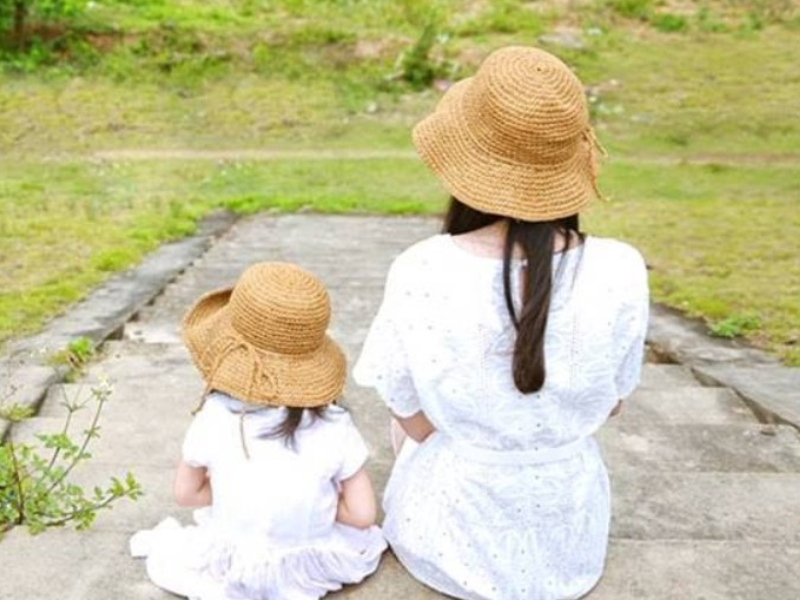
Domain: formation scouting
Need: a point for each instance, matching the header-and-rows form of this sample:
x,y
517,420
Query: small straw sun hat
x,y
515,139
264,341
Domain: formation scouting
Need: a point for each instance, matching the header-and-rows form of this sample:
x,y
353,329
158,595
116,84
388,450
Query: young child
x,y
290,510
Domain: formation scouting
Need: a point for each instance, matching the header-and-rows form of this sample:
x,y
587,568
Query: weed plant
x,y
36,479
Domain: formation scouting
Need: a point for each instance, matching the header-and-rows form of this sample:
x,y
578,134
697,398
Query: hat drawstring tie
x,y
594,147
241,434
229,345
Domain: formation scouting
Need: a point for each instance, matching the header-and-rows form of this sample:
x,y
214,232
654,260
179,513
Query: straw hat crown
x,y
526,106
280,308
515,139
264,340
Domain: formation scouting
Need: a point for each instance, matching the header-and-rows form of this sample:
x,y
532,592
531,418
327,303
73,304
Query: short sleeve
x,y
198,442
632,330
354,451
383,363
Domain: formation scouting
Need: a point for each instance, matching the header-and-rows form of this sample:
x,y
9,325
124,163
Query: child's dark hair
x,y
286,429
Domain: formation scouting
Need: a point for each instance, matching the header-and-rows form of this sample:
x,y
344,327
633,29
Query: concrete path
x,y
706,496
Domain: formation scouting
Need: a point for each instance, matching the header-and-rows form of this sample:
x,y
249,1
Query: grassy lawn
x,y
695,106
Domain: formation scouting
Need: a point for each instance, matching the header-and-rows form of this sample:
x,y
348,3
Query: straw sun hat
x,y
264,340
515,139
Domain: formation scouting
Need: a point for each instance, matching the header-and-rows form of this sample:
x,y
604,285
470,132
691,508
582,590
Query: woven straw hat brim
x,y
494,185
230,365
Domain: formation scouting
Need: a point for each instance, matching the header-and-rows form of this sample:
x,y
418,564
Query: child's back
x,y
288,510
284,493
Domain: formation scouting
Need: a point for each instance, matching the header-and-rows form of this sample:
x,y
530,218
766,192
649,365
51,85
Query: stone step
x,y
647,504
723,448
686,405
706,506
700,569
667,376
158,447
635,570
649,570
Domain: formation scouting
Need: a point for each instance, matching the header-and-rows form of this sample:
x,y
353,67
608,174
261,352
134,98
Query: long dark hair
x,y
536,241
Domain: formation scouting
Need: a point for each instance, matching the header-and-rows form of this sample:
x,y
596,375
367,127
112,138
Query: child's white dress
x,y
271,531
509,498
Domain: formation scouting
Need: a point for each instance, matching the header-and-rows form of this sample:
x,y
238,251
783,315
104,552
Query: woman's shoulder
x,y
611,248
612,260
425,257
422,252
618,256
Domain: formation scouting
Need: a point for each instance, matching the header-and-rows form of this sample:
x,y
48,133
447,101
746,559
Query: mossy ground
x,y
308,104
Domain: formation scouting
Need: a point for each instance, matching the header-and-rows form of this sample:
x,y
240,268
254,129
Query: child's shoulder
x,y
336,417
331,430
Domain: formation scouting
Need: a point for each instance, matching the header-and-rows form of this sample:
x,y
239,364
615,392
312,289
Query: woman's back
x,y
509,498
446,308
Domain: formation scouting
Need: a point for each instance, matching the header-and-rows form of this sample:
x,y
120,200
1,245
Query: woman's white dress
x,y
509,499
271,531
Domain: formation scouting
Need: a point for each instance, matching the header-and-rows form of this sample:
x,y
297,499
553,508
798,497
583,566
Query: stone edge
x,y
135,288
770,389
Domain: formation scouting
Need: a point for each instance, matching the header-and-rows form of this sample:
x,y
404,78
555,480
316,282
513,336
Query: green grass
x,y
718,242
694,105
83,221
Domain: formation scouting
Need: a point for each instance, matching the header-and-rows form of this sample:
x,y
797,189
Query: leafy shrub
x,y
632,9
75,356
735,326
669,23
709,22
16,16
502,16
417,65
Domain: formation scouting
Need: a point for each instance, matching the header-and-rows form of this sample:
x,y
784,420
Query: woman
x,y
505,343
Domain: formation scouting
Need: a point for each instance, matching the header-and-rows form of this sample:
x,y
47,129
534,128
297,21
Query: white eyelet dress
x,y
509,499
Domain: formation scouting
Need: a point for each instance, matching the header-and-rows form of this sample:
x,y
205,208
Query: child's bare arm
x,y
357,501
417,426
192,486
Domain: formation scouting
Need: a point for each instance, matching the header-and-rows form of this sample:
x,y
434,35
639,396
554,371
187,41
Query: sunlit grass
x,y
715,238
301,76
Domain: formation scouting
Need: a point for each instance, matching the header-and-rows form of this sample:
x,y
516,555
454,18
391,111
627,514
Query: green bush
x,y
735,326
503,16
18,17
417,66
669,23
632,9
709,22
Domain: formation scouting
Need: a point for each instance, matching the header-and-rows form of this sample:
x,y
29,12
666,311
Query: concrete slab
x,y
24,384
772,391
686,405
665,376
736,448
391,582
107,572
700,570
706,506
